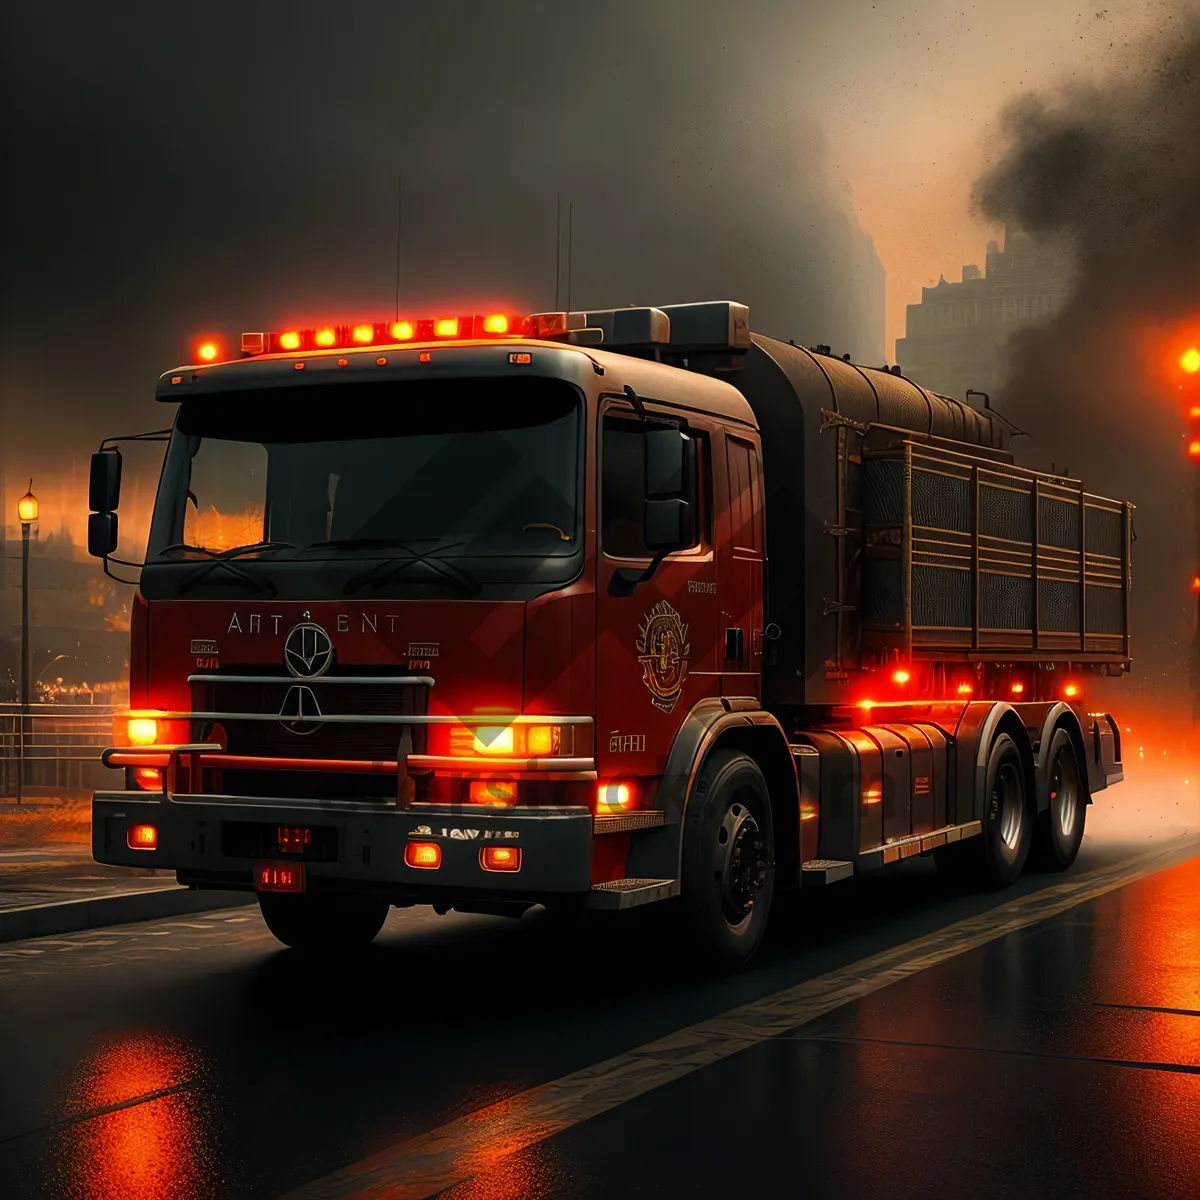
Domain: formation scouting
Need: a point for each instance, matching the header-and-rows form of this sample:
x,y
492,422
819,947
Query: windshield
x,y
469,471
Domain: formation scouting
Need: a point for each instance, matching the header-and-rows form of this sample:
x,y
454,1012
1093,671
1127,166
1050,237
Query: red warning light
x,y
363,334
496,323
289,341
965,689
1070,691
1189,360
446,327
901,677
1196,584
1018,689
325,337
1194,449
207,351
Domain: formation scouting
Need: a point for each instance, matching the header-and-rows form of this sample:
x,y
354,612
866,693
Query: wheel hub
x,y
1063,798
1006,797
745,868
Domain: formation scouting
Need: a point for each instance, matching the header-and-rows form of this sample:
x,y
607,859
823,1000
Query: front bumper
x,y
217,841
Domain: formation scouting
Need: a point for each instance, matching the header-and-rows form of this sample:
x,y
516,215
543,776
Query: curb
x,y
95,912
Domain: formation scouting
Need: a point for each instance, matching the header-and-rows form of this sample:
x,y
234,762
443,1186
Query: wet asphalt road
x,y
197,1058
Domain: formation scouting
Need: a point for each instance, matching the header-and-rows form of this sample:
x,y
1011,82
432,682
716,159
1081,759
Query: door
x,y
740,568
656,639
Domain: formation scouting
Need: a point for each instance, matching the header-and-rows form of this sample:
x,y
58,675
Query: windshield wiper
x,y
232,552
382,572
221,559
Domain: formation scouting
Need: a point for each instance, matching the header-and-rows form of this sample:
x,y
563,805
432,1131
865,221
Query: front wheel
x,y
315,922
728,877
1059,831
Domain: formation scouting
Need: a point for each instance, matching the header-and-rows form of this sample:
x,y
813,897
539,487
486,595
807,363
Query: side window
x,y
743,497
623,487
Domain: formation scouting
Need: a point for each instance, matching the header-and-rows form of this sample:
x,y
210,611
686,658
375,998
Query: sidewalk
x,y
49,883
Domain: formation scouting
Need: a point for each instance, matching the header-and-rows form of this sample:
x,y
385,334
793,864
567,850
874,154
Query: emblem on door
x,y
663,651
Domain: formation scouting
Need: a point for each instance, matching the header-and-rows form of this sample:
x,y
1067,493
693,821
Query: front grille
x,y
336,740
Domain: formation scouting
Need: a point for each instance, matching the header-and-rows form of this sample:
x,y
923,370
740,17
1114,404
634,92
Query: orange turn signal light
x,y
613,797
500,858
427,856
142,837
141,731
497,793
149,779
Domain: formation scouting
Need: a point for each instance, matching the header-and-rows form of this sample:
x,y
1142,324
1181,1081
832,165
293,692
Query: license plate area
x,y
279,840
279,877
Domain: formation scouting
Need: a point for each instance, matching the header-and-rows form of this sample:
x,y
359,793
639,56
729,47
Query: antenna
x,y
557,248
570,247
399,228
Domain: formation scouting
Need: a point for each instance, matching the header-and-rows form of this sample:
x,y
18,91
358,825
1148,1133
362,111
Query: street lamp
x,y
27,511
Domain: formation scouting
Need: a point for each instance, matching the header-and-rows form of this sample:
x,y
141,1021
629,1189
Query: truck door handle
x,y
733,645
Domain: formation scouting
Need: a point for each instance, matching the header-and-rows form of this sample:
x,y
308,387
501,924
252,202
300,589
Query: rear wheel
x,y
728,878
996,858
316,922
1059,831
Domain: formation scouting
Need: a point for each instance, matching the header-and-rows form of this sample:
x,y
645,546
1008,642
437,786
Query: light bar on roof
x,y
473,327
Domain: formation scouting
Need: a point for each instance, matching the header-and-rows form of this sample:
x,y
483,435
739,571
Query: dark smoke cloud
x,y
1114,169
174,169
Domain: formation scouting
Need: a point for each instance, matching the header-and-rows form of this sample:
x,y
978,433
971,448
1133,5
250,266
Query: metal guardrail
x,y
54,745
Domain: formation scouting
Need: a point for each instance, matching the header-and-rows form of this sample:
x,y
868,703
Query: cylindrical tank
x,y
870,396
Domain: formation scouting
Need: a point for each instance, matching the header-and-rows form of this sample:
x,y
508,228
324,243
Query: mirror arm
x,y
127,582
157,435
625,579
636,401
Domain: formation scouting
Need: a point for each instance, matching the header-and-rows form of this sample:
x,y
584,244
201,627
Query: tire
x,y
330,923
1058,833
728,875
996,858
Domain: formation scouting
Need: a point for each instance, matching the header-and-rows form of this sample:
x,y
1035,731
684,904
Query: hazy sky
x,y
233,165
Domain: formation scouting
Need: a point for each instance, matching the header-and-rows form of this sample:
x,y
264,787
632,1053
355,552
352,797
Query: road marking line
x,y
424,1165
1139,1064
1150,1008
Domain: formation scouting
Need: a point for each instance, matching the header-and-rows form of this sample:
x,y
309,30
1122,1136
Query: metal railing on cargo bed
x,y
964,556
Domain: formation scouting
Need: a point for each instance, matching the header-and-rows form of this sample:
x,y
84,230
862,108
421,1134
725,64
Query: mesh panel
x,y
883,492
1005,514
1105,610
1058,606
1105,532
941,597
1058,523
941,502
1005,602
883,594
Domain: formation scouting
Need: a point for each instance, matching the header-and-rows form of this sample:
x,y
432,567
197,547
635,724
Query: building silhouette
x,y
957,337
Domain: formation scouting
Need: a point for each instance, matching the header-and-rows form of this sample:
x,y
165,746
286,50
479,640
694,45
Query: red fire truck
x,y
596,610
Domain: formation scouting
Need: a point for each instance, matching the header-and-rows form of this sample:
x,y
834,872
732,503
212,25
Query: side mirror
x,y
670,515
104,484
666,455
102,532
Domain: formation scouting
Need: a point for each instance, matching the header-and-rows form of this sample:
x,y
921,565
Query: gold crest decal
x,y
663,651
